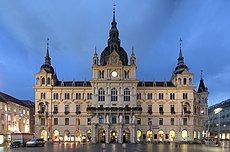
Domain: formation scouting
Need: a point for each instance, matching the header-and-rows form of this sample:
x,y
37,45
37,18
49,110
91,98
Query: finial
x,y
95,50
47,43
114,11
180,55
132,53
201,74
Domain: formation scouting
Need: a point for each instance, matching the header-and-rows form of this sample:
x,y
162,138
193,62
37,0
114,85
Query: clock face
x,y
114,74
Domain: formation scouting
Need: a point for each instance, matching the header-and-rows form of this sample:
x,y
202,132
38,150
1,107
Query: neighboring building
x,y
116,107
213,123
16,116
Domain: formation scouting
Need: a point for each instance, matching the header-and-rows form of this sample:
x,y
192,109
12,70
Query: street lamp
x,y
217,111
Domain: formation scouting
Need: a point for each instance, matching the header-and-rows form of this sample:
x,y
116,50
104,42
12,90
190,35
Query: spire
x,y
114,41
181,58
132,53
201,87
47,57
114,23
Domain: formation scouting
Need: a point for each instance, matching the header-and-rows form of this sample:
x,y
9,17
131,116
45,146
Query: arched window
x,y
126,94
48,80
126,74
114,94
179,81
101,94
43,80
185,81
190,81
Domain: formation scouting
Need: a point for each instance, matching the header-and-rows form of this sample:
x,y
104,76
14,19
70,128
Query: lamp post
x,y
217,111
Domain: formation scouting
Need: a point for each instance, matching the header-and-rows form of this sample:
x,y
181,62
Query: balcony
x,y
55,112
94,110
161,112
150,111
187,112
66,112
173,112
78,112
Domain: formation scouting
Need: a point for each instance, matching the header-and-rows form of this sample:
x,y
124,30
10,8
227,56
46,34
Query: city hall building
x,y
114,106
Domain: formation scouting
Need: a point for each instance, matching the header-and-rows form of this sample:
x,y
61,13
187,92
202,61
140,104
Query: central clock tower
x,y
114,72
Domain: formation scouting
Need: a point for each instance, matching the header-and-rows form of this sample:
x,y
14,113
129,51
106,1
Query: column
x,y
94,140
120,134
133,140
107,134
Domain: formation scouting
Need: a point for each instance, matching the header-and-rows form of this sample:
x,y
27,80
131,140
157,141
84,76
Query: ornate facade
x,y
114,106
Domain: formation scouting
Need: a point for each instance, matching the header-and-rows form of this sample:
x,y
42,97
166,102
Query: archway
x,y
161,135
139,133
184,134
43,135
126,136
78,136
66,135
56,135
113,136
101,136
172,135
149,135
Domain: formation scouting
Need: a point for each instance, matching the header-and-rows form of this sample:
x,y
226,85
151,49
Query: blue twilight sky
x,y
152,27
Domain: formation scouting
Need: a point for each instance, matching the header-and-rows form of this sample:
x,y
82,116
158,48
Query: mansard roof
x,y
155,84
7,98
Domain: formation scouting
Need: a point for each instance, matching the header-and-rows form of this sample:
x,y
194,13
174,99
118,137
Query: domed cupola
x,y
47,65
181,66
113,44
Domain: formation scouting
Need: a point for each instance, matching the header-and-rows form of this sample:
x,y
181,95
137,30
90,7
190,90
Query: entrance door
x,y
113,137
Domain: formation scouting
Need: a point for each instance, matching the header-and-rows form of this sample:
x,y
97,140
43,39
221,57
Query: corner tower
x,y
181,75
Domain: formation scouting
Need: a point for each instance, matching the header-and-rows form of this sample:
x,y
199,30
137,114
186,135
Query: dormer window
x,y
43,80
48,80
185,81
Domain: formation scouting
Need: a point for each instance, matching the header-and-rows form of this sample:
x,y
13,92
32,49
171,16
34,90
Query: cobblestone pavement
x,y
76,147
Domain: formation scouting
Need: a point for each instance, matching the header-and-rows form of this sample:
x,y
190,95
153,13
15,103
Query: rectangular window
x,y
138,96
185,95
150,109
114,119
172,96
149,121
66,121
172,121
149,96
66,108
172,109
55,96
55,109
160,121
78,109
78,96
101,119
185,121
43,95
89,121
161,96
55,121
161,109
126,119
89,96
138,121
43,121
67,97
